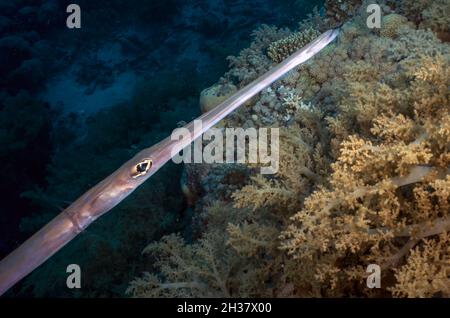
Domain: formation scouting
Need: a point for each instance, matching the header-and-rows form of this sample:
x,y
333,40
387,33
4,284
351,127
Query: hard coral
x,y
391,24
437,18
281,49
252,62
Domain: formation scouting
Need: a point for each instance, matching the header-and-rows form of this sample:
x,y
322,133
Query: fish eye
x,y
141,168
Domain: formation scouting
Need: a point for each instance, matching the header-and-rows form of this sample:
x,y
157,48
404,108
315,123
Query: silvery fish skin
x,y
112,190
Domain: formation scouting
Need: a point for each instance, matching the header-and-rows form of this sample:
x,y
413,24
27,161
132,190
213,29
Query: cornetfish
x,y
112,190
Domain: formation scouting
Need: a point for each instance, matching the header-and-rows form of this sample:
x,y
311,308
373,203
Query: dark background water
x,y
75,104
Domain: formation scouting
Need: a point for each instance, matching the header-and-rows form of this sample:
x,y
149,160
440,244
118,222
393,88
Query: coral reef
x,y
167,51
363,176
253,61
429,14
204,261
339,11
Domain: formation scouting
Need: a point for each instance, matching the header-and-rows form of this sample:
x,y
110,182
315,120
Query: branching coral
x,y
386,191
281,49
426,271
241,243
437,18
252,61
199,270
432,14
227,261
302,164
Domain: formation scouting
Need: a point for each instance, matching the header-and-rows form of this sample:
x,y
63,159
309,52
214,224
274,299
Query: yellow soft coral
x,y
427,270
387,184
302,163
363,179
199,270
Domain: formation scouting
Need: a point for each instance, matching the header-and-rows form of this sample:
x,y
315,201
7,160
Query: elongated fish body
x,y
111,191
